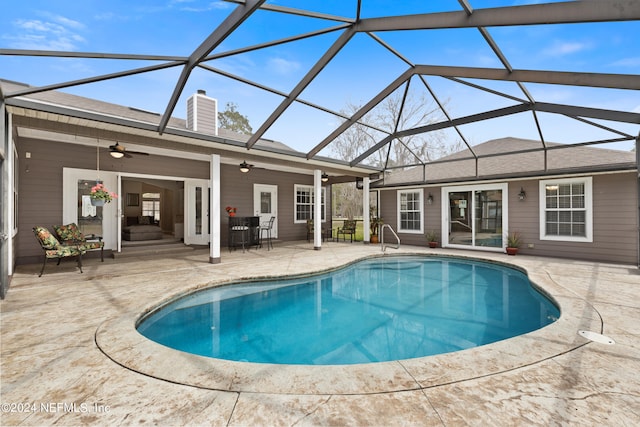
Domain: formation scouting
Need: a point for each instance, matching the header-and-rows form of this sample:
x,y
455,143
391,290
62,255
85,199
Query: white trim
x,y
588,206
444,232
295,202
420,205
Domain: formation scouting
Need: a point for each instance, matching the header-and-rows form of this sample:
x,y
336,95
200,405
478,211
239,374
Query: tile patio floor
x,y
54,330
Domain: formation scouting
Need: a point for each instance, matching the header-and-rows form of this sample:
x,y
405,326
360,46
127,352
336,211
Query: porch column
x,y
365,208
317,209
214,210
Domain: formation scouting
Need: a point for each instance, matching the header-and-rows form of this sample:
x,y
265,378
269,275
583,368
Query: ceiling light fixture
x,y
325,177
245,167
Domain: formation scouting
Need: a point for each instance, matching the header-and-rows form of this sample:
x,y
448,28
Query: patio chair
x,y
238,232
54,249
267,226
71,235
326,234
348,227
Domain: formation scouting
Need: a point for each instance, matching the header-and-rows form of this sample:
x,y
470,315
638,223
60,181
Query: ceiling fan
x,y
118,151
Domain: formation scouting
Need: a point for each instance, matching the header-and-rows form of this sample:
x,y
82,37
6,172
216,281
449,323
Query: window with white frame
x,y
410,211
304,203
151,205
566,209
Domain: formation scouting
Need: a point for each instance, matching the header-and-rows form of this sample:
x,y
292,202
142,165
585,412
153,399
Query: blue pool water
x,y
375,310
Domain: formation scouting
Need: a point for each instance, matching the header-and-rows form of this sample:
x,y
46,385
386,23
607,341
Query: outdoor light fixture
x,y
325,177
430,199
116,154
359,183
245,167
522,194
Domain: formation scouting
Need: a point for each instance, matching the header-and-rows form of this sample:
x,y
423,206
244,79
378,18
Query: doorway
x,y
475,216
265,204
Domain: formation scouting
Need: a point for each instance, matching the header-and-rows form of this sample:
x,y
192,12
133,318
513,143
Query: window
x,y
304,203
410,211
566,210
151,205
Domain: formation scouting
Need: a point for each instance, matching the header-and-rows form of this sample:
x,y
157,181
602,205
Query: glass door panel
x,y
460,227
89,217
488,218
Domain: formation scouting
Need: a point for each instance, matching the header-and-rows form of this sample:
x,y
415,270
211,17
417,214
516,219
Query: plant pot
x,y
512,251
374,239
232,214
98,202
433,244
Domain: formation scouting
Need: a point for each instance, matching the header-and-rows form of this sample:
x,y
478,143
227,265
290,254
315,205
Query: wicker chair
x,y
53,249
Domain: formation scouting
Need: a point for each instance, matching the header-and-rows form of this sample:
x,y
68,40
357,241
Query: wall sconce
x,y
325,177
359,183
245,167
430,199
522,194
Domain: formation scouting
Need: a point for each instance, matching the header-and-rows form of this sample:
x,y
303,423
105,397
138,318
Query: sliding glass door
x,y
475,216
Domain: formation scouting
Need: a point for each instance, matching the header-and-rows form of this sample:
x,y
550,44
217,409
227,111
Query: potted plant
x,y
514,240
432,238
374,225
100,195
231,210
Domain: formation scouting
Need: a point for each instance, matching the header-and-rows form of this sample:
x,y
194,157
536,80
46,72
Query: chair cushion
x,y
92,245
64,251
46,239
144,220
69,232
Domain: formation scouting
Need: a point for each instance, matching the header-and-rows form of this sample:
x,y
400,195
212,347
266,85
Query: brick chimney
x,y
202,113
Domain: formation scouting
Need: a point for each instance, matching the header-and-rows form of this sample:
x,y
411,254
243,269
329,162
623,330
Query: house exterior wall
x,y
237,191
615,220
41,187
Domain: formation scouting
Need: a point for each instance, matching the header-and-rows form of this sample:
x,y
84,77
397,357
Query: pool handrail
x,y
382,237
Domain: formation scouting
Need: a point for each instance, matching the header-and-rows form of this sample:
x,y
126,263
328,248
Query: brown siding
x,y
615,222
40,183
237,191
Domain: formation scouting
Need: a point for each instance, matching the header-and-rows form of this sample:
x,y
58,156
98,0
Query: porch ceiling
x,y
346,26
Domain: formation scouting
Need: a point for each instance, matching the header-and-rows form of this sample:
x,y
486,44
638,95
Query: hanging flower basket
x,y
100,195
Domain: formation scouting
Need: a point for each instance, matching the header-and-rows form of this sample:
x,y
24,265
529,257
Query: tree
x,y
389,115
395,112
232,120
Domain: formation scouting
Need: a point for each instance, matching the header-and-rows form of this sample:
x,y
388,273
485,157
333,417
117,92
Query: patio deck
x,y
50,359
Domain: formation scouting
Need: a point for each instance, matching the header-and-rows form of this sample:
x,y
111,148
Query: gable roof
x,y
64,99
513,158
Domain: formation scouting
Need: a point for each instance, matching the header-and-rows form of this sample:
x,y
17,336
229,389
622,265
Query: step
x,y
166,248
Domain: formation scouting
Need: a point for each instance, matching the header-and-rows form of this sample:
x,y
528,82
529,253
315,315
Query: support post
x,y
214,210
366,220
317,209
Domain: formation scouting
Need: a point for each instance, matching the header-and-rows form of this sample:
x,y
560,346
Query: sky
x,y
356,74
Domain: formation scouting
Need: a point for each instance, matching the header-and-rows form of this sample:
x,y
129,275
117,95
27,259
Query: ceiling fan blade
x,y
117,148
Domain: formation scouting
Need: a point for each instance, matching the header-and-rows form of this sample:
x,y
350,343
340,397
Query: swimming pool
x,y
375,310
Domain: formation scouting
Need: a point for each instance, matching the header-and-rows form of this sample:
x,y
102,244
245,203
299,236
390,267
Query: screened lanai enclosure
x,y
387,86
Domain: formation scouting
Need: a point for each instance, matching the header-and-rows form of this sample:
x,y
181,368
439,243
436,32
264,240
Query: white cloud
x,y
628,62
283,66
565,48
55,33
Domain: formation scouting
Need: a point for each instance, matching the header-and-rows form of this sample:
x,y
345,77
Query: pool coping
x,y
119,340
